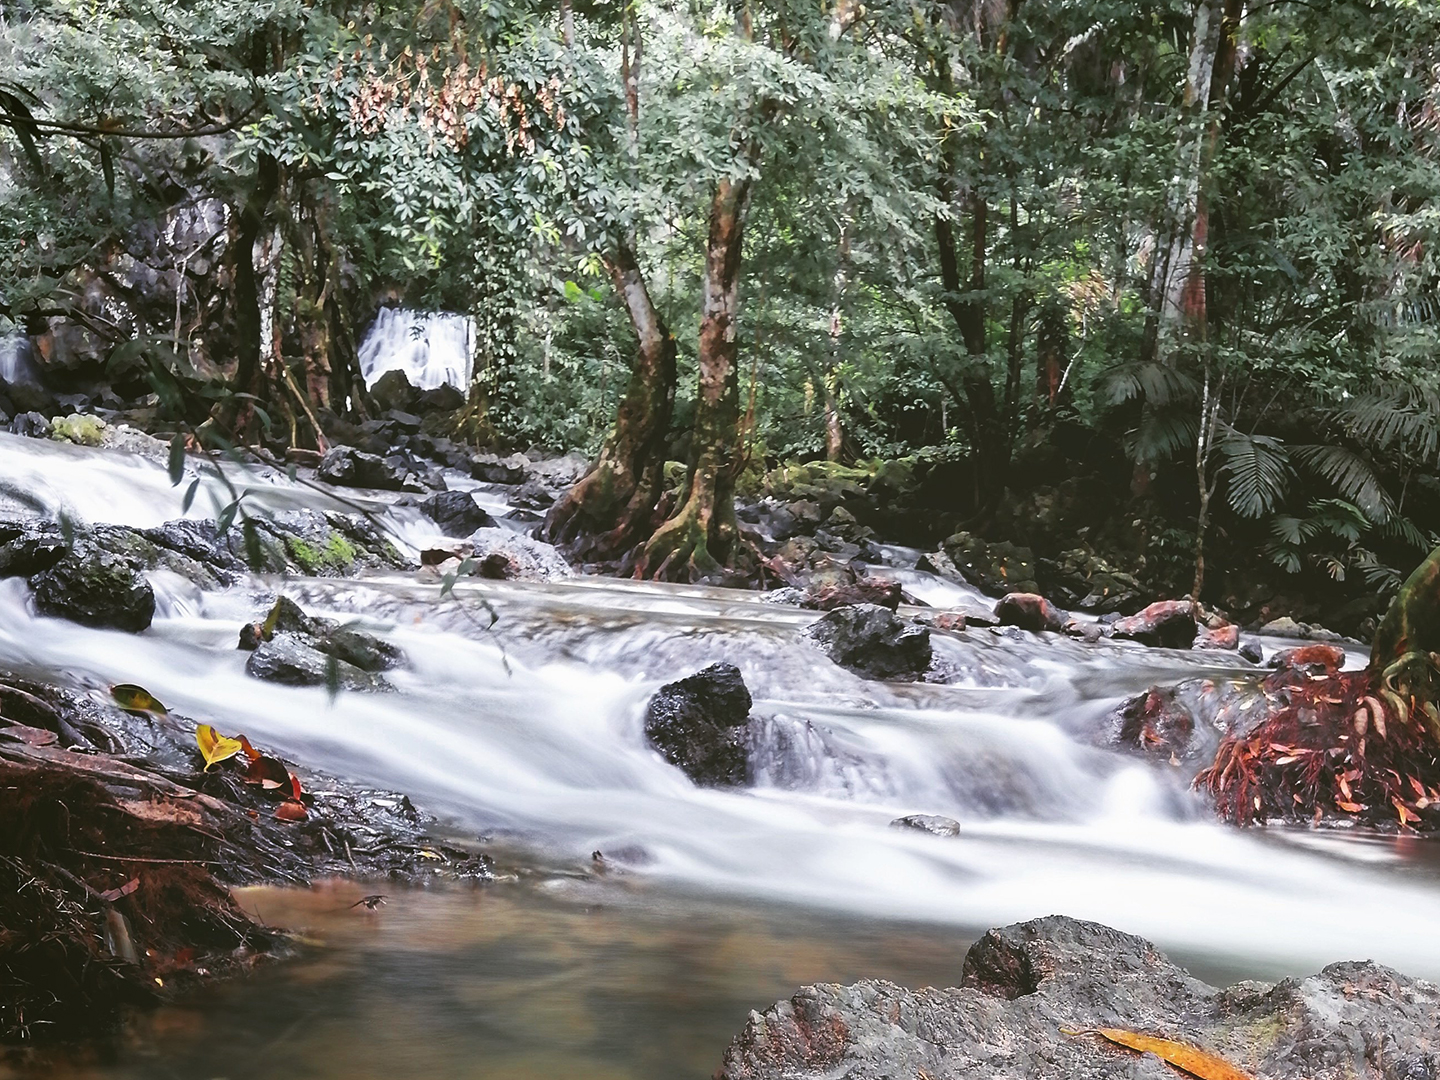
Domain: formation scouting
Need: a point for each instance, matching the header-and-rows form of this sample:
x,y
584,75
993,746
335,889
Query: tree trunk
x,y
236,414
1177,281
700,535
612,507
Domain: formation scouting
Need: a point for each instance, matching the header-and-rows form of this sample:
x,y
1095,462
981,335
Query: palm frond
x,y
1353,476
1163,433
1400,418
1403,529
1155,384
1256,470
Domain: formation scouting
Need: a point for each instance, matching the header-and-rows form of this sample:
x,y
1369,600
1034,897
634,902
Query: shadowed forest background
x,y
1151,285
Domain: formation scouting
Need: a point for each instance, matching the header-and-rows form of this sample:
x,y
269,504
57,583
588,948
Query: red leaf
x,y
291,810
111,895
268,772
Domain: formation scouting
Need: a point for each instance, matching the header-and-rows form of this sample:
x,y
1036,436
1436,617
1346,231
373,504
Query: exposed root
x,y
1333,743
104,902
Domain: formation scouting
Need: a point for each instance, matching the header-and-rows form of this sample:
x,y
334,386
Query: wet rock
x,y
827,595
289,660
37,547
996,568
1251,650
1288,627
442,399
95,588
347,467
497,470
946,620
1167,624
1088,632
694,724
393,390
873,642
1082,580
930,823
361,650
504,555
534,494
1023,985
1030,612
32,425
456,512
1219,638
1316,657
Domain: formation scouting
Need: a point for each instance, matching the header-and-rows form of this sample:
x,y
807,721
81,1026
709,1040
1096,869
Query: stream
x,y
519,721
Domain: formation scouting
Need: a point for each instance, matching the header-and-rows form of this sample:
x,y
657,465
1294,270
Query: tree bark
x,y
700,536
236,414
612,507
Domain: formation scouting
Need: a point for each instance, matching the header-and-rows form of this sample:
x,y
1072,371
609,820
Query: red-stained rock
x,y
1169,624
1327,657
1222,637
1029,611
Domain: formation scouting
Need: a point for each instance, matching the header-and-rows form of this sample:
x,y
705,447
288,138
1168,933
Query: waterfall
x,y
16,365
432,348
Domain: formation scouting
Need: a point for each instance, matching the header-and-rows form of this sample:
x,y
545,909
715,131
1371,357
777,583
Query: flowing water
x,y
520,721
432,348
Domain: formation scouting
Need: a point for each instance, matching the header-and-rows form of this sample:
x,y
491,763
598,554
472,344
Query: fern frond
x,y
1156,384
1353,476
1256,469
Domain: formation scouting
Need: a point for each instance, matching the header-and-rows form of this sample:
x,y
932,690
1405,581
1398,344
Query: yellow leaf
x,y
215,747
135,699
1183,1056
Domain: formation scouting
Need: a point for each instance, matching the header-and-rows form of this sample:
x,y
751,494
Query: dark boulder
x,y
442,399
996,568
297,649
37,548
1030,611
95,588
874,642
694,724
1167,624
1082,580
348,467
393,390
290,660
1031,995
456,512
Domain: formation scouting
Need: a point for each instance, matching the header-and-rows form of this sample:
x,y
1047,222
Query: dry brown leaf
x,y
1183,1056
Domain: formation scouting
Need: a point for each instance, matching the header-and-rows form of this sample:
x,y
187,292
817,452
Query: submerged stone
x,y
934,824
874,642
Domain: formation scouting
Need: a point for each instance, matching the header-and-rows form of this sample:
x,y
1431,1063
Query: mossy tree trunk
x,y
700,535
613,506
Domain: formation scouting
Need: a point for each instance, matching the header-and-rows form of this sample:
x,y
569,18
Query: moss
x,y
336,557
79,429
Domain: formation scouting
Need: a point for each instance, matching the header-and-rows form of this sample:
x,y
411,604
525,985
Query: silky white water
x,y
432,348
530,730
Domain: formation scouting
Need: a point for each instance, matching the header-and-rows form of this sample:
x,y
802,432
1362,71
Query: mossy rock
x,y
78,428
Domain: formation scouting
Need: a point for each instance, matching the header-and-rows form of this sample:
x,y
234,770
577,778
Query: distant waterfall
x,y
15,363
431,347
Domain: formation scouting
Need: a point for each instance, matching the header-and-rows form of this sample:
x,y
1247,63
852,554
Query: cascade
x,y
432,348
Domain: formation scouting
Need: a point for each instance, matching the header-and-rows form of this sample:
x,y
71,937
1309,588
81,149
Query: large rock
x,y
1082,580
874,642
95,588
695,723
456,512
996,568
1169,624
348,467
508,556
493,469
1030,611
1024,987
289,660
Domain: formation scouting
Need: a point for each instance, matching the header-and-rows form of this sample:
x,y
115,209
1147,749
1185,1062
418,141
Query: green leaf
x,y
177,459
